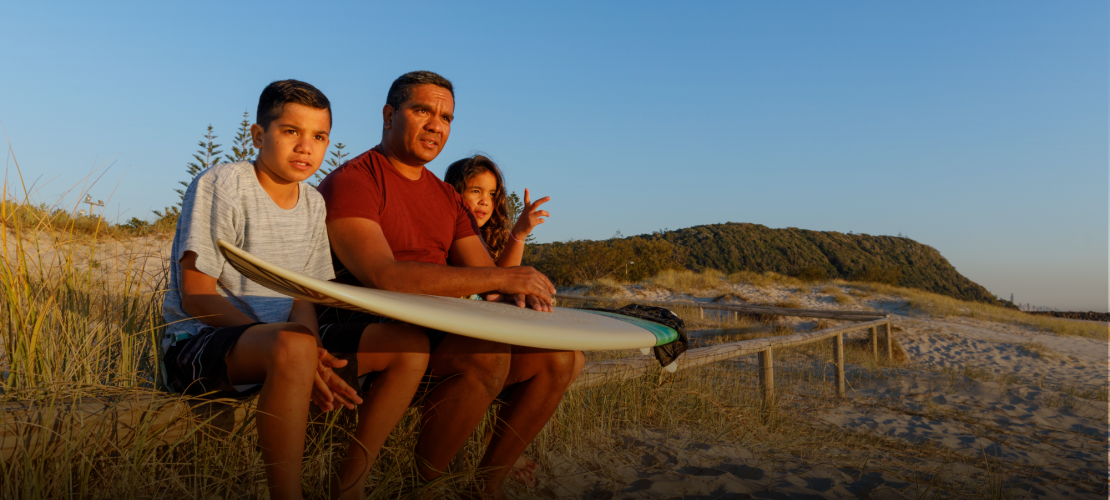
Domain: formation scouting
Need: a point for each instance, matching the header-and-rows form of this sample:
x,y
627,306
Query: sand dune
x,y
1006,412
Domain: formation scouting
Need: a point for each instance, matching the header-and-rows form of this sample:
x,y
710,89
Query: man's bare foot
x,y
524,471
497,493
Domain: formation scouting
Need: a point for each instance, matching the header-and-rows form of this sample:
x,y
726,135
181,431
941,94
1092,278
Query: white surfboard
x,y
569,329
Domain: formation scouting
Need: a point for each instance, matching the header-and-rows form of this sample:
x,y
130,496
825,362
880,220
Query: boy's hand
x,y
329,387
530,216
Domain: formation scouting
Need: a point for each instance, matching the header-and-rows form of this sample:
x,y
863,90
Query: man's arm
x,y
470,252
361,246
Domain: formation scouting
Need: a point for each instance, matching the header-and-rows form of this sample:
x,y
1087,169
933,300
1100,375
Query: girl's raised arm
x,y
530,217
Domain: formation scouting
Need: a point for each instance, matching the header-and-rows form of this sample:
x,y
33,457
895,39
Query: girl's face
x,y
478,196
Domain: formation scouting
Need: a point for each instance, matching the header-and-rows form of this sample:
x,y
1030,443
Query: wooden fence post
x,y
889,342
767,377
875,343
838,355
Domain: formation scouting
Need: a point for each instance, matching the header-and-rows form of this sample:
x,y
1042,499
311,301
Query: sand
x,y
1029,402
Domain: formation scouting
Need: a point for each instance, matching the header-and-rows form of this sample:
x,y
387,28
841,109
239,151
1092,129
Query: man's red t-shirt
x,y
420,219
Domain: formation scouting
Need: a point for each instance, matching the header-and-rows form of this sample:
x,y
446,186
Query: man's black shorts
x,y
333,315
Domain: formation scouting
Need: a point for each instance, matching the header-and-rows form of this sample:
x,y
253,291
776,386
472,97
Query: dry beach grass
x,y
985,403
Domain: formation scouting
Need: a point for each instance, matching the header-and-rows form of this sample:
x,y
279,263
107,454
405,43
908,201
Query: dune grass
x,y
70,335
941,305
763,280
845,293
76,337
688,282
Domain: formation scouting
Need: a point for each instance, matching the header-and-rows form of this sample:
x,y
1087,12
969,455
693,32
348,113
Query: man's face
x,y
293,146
417,132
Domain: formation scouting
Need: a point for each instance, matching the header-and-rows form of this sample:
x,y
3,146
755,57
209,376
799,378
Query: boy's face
x,y
293,146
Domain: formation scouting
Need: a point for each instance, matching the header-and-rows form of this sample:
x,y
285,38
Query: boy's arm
x,y
361,246
304,312
199,297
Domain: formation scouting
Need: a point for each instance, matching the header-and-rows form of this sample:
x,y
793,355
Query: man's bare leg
x,y
400,353
524,469
283,357
470,373
539,378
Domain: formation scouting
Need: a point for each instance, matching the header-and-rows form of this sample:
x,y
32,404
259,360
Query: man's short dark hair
x,y
276,95
401,90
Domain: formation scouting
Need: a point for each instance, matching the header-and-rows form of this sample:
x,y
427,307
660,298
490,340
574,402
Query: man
x,y
394,225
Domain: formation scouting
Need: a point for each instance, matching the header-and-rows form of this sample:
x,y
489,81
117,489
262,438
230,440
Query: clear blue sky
x,y
979,128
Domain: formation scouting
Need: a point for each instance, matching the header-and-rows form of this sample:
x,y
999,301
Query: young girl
x,y
482,187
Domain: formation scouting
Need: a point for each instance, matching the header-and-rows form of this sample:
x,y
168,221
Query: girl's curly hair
x,y
496,231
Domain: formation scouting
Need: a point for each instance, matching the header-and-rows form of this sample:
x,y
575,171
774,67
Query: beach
x,y
979,409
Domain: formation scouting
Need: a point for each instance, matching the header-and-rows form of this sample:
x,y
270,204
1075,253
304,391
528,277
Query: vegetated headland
x,y
735,247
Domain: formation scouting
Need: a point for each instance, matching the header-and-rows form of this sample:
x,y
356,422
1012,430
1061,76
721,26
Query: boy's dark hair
x,y
401,90
277,94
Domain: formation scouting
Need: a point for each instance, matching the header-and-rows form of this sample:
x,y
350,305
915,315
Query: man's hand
x,y
524,280
329,388
525,287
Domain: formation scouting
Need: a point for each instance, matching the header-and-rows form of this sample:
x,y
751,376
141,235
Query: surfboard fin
x,y
667,353
671,368
645,350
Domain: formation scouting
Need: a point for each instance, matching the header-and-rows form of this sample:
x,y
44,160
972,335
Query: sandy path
x,y
987,396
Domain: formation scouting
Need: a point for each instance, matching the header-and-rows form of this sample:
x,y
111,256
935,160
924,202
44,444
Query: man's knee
x,y
490,369
559,365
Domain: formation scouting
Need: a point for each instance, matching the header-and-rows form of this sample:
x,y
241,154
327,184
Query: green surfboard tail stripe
x,y
663,334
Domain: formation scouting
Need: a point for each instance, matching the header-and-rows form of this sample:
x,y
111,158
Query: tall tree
x,y
516,206
337,156
207,156
243,147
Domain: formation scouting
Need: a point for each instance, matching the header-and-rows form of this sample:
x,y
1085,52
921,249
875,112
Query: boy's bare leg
x,y
284,357
400,353
539,378
470,373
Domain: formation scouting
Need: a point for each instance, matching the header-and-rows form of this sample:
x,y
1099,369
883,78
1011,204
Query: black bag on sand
x,y
666,353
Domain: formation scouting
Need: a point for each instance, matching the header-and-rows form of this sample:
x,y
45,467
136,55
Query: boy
x,y
230,336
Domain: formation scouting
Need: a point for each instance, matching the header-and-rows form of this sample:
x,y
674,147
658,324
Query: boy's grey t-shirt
x,y
227,202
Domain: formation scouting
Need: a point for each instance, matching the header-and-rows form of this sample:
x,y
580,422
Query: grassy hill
x,y
734,247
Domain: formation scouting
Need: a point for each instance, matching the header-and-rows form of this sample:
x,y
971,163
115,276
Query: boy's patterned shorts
x,y
198,365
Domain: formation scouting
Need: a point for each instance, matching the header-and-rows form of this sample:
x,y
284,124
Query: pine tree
x,y
337,156
243,147
207,156
516,206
